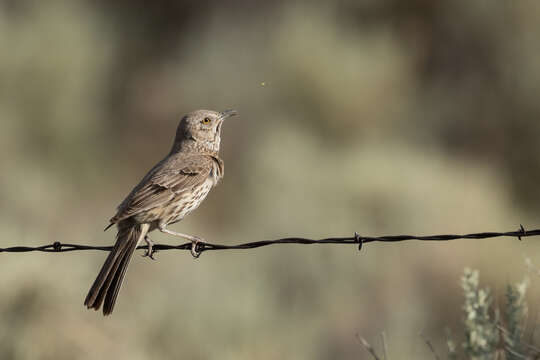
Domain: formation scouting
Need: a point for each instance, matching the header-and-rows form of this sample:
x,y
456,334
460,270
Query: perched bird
x,y
170,190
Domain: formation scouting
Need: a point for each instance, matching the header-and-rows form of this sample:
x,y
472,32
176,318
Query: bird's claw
x,y
150,254
150,250
197,247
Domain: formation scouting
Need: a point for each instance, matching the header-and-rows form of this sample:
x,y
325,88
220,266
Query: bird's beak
x,y
228,113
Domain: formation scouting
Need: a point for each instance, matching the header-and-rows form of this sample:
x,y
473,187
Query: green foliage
x,y
487,335
452,353
480,329
515,312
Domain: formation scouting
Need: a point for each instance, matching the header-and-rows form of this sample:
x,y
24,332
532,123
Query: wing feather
x,y
168,179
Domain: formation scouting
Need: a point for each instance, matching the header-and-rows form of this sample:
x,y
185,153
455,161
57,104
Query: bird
x,y
171,190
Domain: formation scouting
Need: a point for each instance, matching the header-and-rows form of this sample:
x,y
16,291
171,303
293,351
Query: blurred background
x,y
382,117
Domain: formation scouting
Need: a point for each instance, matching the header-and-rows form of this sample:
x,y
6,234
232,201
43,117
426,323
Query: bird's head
x,y
200,130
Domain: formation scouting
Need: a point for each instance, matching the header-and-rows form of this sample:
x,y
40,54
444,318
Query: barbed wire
x,y
357,239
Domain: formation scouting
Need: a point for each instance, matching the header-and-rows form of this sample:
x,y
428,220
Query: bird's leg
x,y
150,251
195,240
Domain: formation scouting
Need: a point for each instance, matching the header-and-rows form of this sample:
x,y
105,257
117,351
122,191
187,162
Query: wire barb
x,y
522,232
356,239
359,240
57,246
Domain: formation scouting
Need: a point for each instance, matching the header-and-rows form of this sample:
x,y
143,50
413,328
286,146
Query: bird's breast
x,y
216,173
181,206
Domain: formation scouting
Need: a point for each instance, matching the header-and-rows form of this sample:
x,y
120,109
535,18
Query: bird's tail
x,y
109,280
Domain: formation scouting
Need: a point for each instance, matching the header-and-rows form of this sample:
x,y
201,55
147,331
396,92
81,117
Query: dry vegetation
x,y
375,116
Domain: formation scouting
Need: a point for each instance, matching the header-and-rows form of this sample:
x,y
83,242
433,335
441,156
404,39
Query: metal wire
x,y
357,239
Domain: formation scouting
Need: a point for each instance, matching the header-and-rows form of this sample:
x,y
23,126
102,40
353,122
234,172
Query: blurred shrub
x,y
488,335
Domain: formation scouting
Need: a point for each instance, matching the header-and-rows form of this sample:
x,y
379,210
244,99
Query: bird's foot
x,y
197,246
150,251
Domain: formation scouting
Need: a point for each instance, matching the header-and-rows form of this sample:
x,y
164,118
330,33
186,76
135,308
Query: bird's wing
x,y
164,182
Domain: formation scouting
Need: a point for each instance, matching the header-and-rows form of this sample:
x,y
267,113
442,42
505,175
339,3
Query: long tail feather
x,y
109,280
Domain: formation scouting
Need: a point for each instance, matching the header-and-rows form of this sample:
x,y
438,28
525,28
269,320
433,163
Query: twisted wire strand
x,y
357,239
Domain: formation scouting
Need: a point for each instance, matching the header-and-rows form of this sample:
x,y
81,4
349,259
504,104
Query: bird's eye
x,y
206,121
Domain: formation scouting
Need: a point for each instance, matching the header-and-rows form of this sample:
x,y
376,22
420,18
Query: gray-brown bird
x,y
171,190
